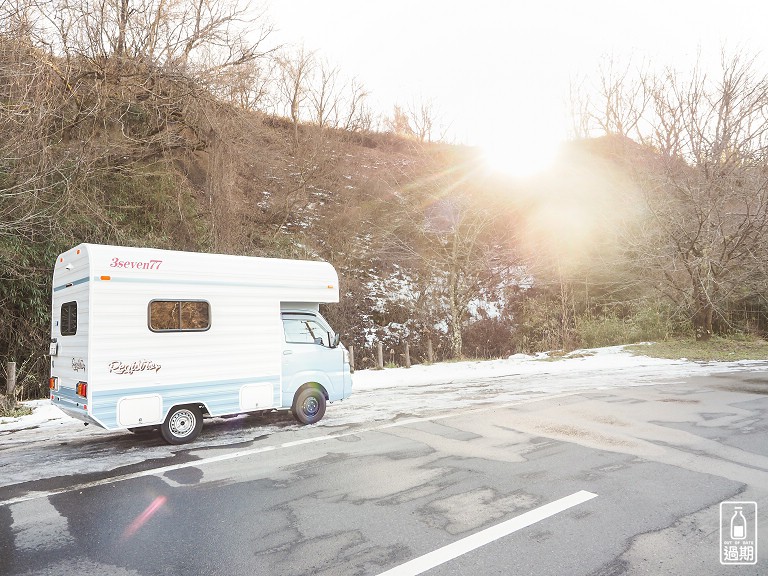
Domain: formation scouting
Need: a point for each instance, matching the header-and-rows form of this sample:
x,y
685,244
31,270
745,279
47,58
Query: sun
x,y
520,156
525,142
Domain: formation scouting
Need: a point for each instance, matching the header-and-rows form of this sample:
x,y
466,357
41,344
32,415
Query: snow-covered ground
x,y
49,444
421,390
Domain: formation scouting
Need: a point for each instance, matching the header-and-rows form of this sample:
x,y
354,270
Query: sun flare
x,y
520,158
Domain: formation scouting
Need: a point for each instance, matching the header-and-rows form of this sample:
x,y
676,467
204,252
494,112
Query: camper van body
x,y
144,338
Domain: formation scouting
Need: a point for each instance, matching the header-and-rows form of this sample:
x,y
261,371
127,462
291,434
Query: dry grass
x,y
9,411
715,350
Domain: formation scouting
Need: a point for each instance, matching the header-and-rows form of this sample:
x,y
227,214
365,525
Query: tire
x,y
309,405
182,425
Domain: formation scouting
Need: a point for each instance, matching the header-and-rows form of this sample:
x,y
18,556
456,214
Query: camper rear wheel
x,y
182,425
309,405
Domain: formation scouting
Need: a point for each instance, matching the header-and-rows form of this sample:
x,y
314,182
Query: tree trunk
x,y
122,25
455,309
455,322
566,314
456,341
702,318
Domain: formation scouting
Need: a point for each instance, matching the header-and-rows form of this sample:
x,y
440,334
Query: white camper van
x,y
145,338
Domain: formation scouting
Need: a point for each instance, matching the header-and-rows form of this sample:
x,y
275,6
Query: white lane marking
x,y
252,451
460,547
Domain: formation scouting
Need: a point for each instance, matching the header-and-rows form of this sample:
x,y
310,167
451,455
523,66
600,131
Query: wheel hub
x,y
182,423
311,406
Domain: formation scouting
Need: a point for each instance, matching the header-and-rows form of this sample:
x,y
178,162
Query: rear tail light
x,y
53,383
82,389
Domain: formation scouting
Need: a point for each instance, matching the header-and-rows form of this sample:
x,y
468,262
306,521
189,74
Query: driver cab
x,y
312,354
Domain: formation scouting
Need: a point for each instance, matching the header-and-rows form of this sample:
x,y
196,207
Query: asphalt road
x,y
598,482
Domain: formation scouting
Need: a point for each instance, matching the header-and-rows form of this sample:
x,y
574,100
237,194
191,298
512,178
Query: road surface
x,y
625,480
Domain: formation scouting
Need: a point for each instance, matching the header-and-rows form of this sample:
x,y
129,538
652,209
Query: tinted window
x,y
69,319
179,315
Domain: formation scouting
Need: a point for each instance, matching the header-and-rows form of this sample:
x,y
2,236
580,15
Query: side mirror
x,y
333,342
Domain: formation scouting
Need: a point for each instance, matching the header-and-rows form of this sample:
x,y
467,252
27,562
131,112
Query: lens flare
x,y
144,517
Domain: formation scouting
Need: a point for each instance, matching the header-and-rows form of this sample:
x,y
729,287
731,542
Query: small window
x,y
68,319
179,316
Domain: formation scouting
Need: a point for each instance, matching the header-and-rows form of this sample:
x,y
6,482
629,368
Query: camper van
x,y
144,339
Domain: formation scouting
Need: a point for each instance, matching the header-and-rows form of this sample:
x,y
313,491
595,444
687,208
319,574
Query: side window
x,y
304,331
68,324
179,316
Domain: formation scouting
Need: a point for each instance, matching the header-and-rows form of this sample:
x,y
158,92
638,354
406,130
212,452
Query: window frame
x,y
305,317
178,301
68,316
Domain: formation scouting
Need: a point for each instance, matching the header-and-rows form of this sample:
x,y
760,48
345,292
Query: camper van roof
x,y
155,265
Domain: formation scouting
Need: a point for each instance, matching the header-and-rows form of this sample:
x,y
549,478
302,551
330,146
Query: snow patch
x,y
582,369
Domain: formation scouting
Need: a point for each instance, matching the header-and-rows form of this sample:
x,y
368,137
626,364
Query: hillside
x,y
121,153
429,244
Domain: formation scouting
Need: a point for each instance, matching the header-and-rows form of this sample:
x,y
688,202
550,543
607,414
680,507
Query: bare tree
x,y
335,102
460,246
249,85
354,113
201,38
706,188
295,71
469,257
616,103
424,118
399,123
324,95
579,104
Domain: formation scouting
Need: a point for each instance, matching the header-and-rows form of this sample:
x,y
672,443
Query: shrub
x,y
648,322
8,410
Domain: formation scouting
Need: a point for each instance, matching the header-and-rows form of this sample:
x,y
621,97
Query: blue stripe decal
x,y
70,284
220,396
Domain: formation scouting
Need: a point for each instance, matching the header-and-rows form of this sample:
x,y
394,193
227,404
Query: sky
x,y
497,68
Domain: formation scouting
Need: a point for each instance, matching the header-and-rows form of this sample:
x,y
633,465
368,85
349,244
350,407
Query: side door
x,y
309,356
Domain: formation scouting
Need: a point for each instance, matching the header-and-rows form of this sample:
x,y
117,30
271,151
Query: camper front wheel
x,y
309,405
182,424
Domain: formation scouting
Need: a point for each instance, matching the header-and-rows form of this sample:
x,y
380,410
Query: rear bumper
x,y
72,405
